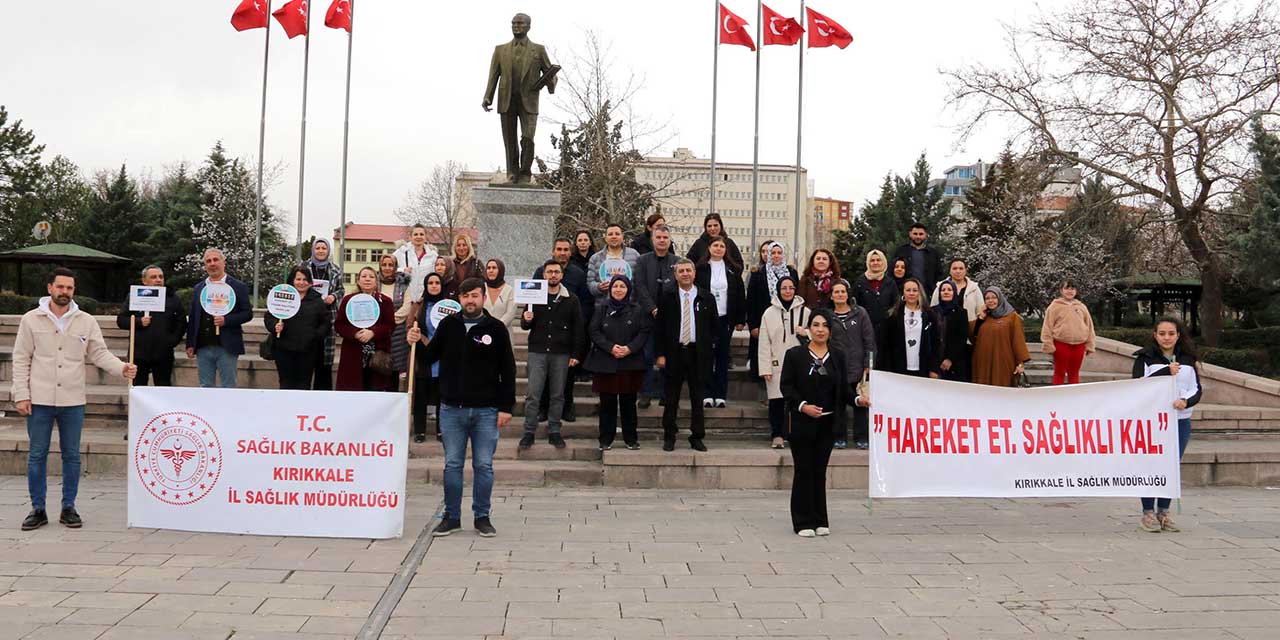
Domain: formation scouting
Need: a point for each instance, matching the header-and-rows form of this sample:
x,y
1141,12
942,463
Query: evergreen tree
x,y
115,223
63,198
20,173
873,228
1096,212
172,213
885,223
1258,245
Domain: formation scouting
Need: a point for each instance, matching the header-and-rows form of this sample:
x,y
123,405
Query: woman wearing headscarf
x,y
999,344
297,340
499,297
910,343
954,319
360,345
874,292
395,285
762,290
321,269
464,258
900,268
816,389
782,327
618,332
713,227
853,335
426,378
822,271
448,271
723,278
584,246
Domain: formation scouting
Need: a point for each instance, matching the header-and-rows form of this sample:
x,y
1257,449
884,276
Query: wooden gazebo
x,y
84,261
1159,290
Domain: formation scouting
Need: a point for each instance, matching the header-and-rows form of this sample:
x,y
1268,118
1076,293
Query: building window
x,y
362,255
346,255
346,277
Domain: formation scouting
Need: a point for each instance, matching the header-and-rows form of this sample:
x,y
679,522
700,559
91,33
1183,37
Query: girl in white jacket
x,y
781,327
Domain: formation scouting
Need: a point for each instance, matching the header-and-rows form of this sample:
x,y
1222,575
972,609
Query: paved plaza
x,y
610,563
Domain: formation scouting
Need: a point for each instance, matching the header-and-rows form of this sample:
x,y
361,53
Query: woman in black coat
x,y
713,227
619,330
876,292
910,340
720,275
299,340
955,333
816,387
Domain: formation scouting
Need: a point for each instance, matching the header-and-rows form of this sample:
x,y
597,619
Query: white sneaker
x,y
822,531
708,403
720,403
806,533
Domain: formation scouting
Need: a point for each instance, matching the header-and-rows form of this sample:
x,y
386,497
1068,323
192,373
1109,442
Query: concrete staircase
x,y
1236,428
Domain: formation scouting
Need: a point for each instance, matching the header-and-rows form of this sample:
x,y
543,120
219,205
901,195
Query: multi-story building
x,y
829,214
684,186
1063,185
366,243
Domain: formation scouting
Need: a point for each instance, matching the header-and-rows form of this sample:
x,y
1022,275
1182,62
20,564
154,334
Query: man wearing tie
x,y
686,320
523,68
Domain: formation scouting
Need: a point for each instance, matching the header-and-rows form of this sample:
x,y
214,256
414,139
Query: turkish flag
x,y
779,29
824,32
293,17
733,30
339,16
251,14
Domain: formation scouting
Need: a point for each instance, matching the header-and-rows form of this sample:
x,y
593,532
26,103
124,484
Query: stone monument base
x,y
516,225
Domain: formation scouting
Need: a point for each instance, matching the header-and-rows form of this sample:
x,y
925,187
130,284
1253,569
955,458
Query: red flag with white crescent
x,y
780,29
339,15
251,14
825,32
293,17
733,29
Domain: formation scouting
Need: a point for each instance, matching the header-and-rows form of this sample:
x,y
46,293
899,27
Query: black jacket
x,y
653,275
877,303
306,330
155,343
477,367
557,326
759,297
892,352
736,309
643,243
1151,355
628,327
666,331
575,279
699,249
955,344
933,272
856,340
799,385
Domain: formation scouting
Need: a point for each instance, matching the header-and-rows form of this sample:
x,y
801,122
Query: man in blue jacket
x,y
216,342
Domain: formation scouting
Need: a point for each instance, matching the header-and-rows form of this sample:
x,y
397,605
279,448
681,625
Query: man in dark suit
x,y
217,342
523,68
157,333
683,335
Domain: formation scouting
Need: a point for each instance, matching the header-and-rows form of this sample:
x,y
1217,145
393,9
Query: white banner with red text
x,y
949,439
297,463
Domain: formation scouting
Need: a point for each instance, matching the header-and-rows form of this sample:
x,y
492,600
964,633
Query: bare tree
x,y
438,201
1156,95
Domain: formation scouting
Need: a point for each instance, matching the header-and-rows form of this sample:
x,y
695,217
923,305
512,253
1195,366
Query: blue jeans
x,y
655,379
1184,436
214,362
40,430
457,424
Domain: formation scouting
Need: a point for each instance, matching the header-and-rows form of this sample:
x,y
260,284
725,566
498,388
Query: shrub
x,y
1253,361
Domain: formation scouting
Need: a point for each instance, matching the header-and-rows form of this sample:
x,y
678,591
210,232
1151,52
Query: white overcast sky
x,y
152,82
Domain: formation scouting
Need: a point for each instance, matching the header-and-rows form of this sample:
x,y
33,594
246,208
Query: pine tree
x,y
1259,245
115,223
884,223
20,173
172,213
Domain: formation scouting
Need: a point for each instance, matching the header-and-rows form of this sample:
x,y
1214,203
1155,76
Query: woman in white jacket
x,y
417,258
781,327
967,289
499,297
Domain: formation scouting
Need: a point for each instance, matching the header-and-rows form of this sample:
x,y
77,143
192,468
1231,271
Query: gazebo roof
x,y
61,252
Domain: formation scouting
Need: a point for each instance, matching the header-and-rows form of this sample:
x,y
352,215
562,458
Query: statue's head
x,y
520,24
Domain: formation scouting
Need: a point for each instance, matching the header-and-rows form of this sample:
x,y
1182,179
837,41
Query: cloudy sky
x,y
153,82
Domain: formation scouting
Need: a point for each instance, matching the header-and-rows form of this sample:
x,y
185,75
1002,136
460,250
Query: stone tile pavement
x,y
612,563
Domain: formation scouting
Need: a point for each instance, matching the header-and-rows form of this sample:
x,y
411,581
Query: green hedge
x,y
1253,361
14,304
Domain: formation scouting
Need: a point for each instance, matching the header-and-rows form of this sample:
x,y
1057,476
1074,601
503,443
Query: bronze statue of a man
x,y
524,69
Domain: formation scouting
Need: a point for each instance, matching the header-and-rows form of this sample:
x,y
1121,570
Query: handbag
x,y
381,363
266,348
864,387
1020,381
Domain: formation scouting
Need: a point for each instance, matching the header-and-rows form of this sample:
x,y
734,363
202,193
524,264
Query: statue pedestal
x,y
516,225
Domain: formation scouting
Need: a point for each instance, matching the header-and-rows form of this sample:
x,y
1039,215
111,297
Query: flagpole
x,y
302,146
262,145
801,189
755,154
715,88
346,137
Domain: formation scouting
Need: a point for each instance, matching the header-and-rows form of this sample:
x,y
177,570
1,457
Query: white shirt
x,y
720,287
913,322
687,299
60,323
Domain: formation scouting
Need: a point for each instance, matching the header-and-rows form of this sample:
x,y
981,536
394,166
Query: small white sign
x,y
143,298
322,286
442,310
531,291
283,301
363,311
217,298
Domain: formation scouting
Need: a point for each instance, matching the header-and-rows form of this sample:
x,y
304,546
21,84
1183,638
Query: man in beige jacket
x,y
54,342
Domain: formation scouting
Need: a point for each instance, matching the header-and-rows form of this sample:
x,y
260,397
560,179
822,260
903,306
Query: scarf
x,y
616,305
428,298
775,272
777,292
322,265
875,275
1004,308
497,283
450,272
823,282
395,277
945,307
